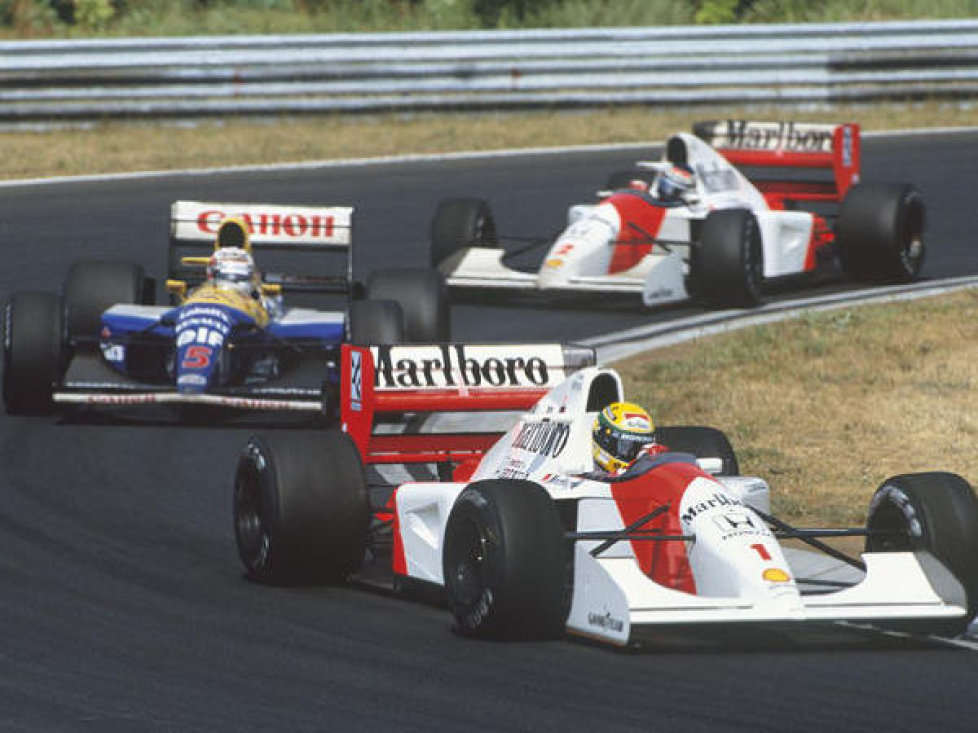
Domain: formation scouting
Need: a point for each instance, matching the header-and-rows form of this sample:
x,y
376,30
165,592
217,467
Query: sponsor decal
x,y
761,550
605,621
554,262
356,381
776,575
196,357
457,365
193,380
271,223
714,501
847,146
113,352
776,136
544,438
738,523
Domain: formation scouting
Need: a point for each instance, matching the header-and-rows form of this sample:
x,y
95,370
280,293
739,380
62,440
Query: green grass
x,y
81,18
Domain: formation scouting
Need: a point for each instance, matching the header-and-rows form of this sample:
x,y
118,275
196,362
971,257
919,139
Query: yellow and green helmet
x,y
621,431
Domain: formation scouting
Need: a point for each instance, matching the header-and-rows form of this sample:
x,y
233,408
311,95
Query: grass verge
x,y
121,147
827,406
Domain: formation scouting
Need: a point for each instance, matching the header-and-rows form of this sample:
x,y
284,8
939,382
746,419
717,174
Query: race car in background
x,y
523,537
724,239
104,342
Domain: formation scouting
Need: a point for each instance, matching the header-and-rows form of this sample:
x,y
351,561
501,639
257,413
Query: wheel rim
x,y
467,568
249,526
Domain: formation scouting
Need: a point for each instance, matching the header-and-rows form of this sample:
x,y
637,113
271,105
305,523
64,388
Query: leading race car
x,y
694,226
228,339
524,537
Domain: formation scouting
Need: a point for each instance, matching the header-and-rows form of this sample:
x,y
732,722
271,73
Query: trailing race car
x,y
523,536
227,339
693,225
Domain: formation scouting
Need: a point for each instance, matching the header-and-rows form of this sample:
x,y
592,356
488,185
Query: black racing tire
x,y
33,352
423,298
623,179
728,265
936,512
93,286
374,322
505,562
301,512
702,442
879,232
458,223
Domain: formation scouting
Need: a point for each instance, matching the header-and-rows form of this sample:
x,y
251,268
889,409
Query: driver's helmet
x,y
622,431
674,183
232,267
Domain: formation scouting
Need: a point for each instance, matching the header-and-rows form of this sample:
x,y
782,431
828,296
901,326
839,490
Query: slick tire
x,y
505,562
458,223
702,442
301,512
936,512
728,264
375,322
33,352
94,286
423,298
879,233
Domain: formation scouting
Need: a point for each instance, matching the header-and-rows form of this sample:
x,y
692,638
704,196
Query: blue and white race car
x,y
227,339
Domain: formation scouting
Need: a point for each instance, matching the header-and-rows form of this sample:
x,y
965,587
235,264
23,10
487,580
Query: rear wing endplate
x,y
381,382
285,229
789,145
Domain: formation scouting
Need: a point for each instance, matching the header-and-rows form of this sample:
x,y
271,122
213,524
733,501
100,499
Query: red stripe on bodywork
x,y
665,562
398,558
640,223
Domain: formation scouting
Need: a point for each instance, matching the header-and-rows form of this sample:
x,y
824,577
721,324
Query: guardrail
x,y
81,81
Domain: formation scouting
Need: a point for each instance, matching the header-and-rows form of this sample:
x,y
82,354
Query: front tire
x,y
93,286
423,299
33,352
459,223
936,512
702,442
375,322
879,233
728,265
505,561
301,512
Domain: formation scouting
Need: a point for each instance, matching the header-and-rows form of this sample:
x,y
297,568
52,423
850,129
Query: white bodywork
x,y
580,256
740,571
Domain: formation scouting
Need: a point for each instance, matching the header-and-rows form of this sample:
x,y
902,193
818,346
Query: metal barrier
x,y
81,81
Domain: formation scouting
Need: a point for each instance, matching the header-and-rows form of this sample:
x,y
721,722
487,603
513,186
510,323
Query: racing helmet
x,y
674,183
231,267
621,431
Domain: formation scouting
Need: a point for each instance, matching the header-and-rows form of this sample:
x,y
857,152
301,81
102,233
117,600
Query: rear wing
x,y
789,145
381,383
284,230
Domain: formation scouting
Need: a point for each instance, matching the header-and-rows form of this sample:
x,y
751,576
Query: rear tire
x,y
879,233
505,561
33,352
423,298
375,322
301,512
93,287
702,442
936,512
458,223
728,265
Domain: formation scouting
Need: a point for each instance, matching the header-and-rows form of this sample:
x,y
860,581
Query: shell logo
x,y
776,575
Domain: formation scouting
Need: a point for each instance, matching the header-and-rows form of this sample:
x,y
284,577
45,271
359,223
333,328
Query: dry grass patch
x,y
826,406
120,147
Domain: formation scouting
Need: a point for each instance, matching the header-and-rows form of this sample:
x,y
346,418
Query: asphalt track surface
x,y
122,603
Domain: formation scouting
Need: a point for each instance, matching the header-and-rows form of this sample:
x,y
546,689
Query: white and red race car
x,y
723,239
524,538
